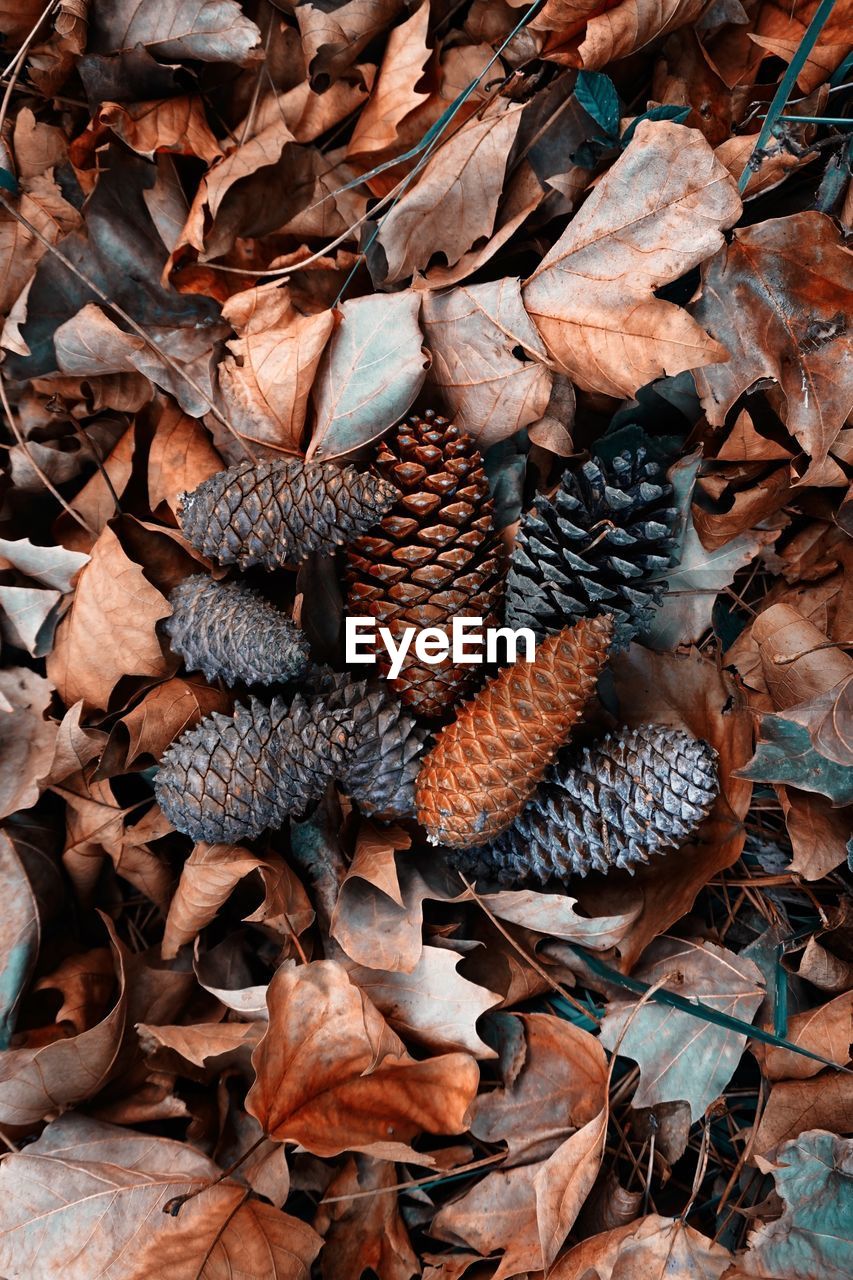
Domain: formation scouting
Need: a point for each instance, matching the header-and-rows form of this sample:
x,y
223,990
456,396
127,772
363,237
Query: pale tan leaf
x,y
394,94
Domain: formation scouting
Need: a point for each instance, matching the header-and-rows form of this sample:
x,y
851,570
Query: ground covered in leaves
x,y
273,230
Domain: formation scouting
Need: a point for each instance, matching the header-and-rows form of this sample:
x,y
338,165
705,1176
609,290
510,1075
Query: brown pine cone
x,y
277,513
228,629
432,557
486,764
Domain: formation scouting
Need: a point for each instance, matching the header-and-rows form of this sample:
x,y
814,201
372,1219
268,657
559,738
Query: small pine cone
x,y
486,764
228,629
277,513
231,777
432,557
594,547
384,748
635,793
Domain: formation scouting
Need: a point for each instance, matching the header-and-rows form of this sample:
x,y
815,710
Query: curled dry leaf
x,y
331,1075
34,1083
216,31
777,298
177,125
365,1233
208,878
658,212
487,359
97,1193
395,94
653,1247
267,379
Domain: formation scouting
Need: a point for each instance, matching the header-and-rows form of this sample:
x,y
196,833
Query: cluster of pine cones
x,y
497,787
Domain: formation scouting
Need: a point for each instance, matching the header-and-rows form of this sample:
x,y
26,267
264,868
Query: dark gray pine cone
x,y
277,513
385,747
594,547
635,793
228,630
231,777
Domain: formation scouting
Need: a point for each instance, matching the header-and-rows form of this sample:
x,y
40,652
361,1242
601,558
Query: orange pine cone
x,y
488,762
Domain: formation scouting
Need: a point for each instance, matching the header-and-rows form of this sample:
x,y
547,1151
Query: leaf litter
x,y
596,240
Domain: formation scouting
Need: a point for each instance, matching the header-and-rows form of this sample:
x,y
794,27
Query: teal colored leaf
x,y
8,181
814,1236
668,111
785,756
597,94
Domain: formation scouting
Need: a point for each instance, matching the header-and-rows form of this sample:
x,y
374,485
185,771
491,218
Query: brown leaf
x,y
217,32
332,1075
682,1058
97,1193
497,1214
86,983
564,1181
35,1083
560,1088
793,282
177,125
181,456
433,1004
208,878
394,95
819,832
267,379
109,632
653,1248
371,371
827,1030
162,715
333,39
27,740
453,202
365,1233
659,211
43,205
628,26
212,1046
796,1106
487,359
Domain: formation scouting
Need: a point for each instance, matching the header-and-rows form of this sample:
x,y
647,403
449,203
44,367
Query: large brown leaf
x,y
333,1076
109,631
452,203
652,1248
395,94
778,298
27,740
87,1199
36,1083
487,359
659,211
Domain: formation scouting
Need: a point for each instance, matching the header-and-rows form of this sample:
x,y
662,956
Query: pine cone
x,y
607,531
231,777
227,629
384,748
276,513
434,556
486,764
635,793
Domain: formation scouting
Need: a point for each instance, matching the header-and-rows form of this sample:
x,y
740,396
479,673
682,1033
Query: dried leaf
x,y
793,281
394,95
365,1233
658,212
372,369
20,938
653,1248
331,1075
27,740
216,32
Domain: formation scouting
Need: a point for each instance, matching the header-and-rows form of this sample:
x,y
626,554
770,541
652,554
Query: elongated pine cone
x,y
384,747
277,513
635,793
486,764
228,629
608,530
232,777
432,557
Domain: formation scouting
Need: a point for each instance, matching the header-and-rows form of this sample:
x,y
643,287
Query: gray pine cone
x,y
228,630
635,793
231,777
277,513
